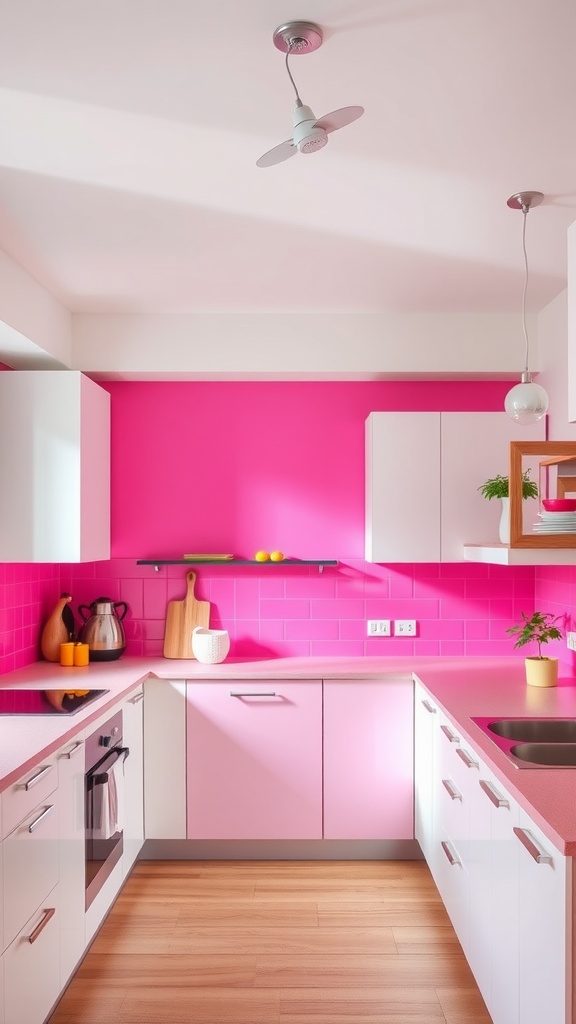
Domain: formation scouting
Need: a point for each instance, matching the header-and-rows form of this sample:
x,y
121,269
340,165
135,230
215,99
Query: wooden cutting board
x,y
181,618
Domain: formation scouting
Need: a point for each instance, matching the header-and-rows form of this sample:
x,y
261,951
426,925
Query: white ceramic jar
x,y
210,646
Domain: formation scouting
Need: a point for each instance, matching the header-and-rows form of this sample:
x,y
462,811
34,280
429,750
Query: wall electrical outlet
x,y
571,641
405,627
378,627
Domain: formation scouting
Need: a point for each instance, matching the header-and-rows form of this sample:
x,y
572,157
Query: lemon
x,y
262,556
276,556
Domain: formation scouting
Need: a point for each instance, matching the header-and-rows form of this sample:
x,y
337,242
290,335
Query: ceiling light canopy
x,y
526,402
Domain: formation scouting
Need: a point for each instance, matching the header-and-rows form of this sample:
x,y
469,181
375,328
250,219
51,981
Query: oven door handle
x,y
99,777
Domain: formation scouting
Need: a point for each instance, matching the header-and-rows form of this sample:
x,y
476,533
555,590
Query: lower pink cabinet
x,y
254,759
368,759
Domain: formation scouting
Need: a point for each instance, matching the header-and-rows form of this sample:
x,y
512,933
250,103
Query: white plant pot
x,y
210,646
504,528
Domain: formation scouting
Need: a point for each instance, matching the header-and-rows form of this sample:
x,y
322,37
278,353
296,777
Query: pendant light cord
x,y
525,210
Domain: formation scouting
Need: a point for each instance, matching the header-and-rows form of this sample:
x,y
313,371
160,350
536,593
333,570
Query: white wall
x,y
298,345
35,329
553,346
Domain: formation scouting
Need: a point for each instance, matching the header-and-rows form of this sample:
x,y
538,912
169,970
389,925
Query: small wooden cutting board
x,y
181,618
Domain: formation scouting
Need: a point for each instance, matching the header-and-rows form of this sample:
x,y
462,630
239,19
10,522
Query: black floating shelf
x,y
157,562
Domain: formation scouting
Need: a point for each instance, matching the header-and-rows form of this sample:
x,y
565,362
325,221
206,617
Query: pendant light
x,y
526,402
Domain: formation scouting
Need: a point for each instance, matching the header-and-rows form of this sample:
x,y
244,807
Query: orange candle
x,y
67,654
81,654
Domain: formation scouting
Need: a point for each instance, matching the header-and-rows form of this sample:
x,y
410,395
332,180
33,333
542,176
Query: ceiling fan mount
x,y
310,133
298,37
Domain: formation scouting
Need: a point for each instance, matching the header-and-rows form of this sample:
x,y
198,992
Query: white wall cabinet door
x,y
402,487
133,818
423,470
71,769
57,507
165,762
543,928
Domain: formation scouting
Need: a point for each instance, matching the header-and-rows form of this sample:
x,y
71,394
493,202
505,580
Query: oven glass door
x,y
104,835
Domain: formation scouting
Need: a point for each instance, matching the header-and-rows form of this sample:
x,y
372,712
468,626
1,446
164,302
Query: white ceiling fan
x,y
310,133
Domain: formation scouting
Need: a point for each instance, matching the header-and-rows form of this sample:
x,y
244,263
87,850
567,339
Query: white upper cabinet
x,y
423,470
55,467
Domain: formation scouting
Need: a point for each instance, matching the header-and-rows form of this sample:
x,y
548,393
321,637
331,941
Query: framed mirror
x,y
554,525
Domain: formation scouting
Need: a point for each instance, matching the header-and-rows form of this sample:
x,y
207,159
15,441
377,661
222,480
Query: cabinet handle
x,y
450,788
529,843
69,754
44,814
449,734
468,760
453,860
39,775
248,693
136,698
493,794
429,707
42,924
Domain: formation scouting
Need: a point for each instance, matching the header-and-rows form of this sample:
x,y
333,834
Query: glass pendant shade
x,y
526,402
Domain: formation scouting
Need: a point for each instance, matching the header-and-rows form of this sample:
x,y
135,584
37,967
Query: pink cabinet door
x,y
254,759
368,759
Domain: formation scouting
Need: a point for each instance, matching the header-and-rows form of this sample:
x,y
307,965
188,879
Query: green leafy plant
x,y
539,628
497,487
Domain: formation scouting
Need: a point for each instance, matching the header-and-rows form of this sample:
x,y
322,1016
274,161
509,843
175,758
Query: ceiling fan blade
x,y
339,118
275,156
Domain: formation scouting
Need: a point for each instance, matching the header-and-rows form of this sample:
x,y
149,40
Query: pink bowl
x,y
559,504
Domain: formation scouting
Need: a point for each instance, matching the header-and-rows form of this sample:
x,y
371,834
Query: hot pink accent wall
x,y
555,591
238,466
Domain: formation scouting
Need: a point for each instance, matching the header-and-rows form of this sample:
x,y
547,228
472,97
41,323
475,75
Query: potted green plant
x,y
498,487
538,629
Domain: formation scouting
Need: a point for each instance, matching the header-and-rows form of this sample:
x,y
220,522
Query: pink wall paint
x,y
239,466
28,594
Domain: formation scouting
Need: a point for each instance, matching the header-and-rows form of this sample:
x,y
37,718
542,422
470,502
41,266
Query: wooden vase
x,y
55,630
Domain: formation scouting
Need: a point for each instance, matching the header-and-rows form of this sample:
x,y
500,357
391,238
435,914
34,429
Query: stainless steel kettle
x,y
102,629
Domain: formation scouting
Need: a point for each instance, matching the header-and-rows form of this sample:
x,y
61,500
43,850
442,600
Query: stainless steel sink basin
x,y
536,730
533,742
553,755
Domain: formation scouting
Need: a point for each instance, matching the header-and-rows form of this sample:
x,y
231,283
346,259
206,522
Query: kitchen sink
x,y
533,742
552,755
536,730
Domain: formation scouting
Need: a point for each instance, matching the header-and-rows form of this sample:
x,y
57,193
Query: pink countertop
x,y
463,687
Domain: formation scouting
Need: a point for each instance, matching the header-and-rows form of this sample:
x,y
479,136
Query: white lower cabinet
x,y
544,928
165,761
31,966
425,718
133,817
507,890
71,768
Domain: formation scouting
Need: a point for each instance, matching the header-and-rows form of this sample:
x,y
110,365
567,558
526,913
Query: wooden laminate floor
x,y
275,942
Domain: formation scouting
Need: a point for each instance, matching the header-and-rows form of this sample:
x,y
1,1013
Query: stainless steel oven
x,y
104,803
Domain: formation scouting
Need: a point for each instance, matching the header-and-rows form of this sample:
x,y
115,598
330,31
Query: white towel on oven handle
x,y
105,803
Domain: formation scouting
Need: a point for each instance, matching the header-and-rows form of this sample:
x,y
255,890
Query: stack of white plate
x,y
556,522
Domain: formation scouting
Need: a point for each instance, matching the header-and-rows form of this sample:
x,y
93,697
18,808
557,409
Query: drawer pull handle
x,y
493,794
449,734
248,693
536,851
429,707
42,924
453,860
44,814
450,788
69,754
39,775
468,760
136,698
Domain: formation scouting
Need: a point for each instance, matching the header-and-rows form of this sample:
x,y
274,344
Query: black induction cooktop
x,y
45,702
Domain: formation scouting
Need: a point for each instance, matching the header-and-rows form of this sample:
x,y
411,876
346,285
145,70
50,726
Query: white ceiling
x,y
131,129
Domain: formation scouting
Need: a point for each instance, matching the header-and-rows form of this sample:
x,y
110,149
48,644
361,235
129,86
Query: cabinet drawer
x,y
24,795
32,978
31,854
